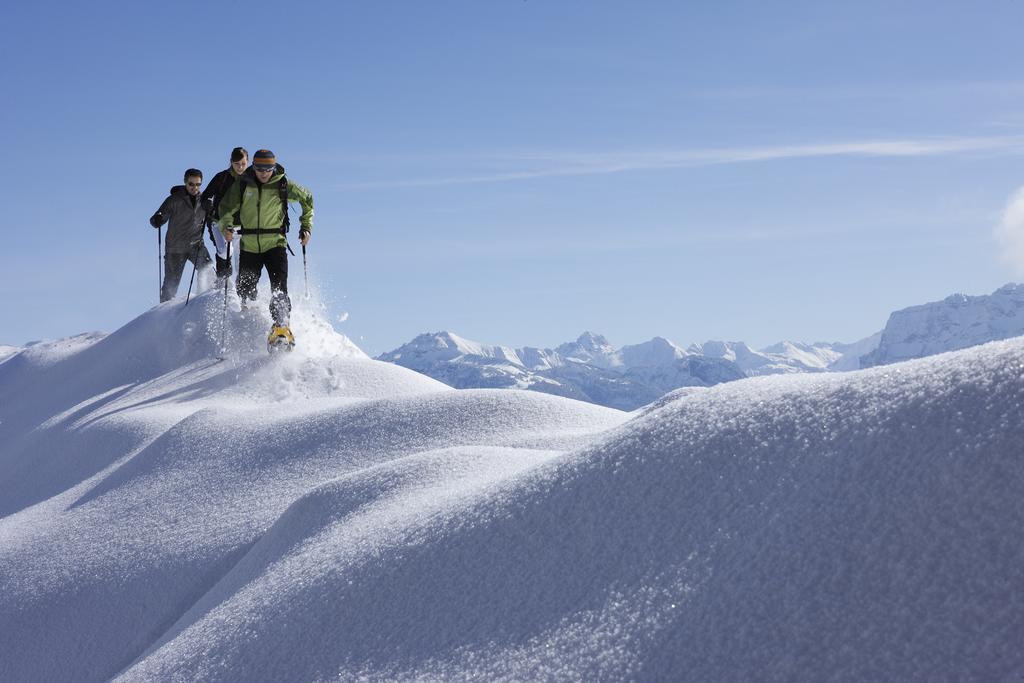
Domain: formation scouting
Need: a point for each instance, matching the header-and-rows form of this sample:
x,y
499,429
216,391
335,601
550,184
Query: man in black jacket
x,y
212,195
185,214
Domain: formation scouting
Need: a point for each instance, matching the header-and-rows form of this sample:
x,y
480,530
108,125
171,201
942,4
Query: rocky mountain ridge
x,y
957,322
591,369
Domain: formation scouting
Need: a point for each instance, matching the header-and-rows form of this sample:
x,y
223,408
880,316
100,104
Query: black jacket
x,y
185,220
217,188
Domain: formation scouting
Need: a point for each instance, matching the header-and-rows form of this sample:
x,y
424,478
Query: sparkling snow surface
x,y
320,515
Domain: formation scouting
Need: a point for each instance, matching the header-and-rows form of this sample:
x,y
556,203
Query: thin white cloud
x,y
901,91
557,164
1009,232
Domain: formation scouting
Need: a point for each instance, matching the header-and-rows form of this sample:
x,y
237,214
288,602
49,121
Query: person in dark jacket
x,y
185,214
213,194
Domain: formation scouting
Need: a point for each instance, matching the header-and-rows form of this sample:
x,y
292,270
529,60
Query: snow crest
x,y
184,522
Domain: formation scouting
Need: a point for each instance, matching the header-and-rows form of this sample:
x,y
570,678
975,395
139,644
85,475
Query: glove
x,y
157,220
303,237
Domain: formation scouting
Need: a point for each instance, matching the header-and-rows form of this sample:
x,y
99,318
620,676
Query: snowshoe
x,y
280,339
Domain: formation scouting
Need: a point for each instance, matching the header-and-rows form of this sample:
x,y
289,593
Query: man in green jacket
x,y
258,203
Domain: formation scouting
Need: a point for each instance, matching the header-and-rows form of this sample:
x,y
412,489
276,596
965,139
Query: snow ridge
x,y
328,516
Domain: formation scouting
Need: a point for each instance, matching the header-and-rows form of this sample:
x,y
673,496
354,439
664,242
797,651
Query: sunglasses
x,y
264,169
195,184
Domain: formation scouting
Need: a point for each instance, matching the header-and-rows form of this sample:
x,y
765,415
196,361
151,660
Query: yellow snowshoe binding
x,y
280,339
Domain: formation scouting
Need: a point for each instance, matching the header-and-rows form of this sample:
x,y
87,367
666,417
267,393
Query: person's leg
x,y
173,265
223,262
203,264
276,261
223,268
249,266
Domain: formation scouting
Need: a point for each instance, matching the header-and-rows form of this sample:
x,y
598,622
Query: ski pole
x,y
195,257
224,316
159,265
305,271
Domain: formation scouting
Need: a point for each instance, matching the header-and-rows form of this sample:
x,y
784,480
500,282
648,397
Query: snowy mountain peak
x,y
812,357
782,358
445,339
445,346
722,349
590,340
441,341
657,351
787,347
1009,291
956,322
589,348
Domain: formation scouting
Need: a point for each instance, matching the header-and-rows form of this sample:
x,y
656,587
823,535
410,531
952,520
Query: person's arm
x,y
229,204
215,190
162,214
215,187
208,193
304,197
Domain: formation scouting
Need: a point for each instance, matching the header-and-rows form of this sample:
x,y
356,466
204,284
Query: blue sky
x,y
521,171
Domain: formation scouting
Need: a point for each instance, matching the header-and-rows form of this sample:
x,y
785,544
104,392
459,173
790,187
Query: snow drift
x,y
177,518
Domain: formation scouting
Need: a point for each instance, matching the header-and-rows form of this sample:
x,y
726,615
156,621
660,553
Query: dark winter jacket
x,y
261,208
218,187
185,221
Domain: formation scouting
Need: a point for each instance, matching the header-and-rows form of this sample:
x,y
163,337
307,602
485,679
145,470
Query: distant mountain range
x,y
591,369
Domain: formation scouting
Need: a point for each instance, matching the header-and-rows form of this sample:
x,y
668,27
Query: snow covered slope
x,y
136,469
332,517
8,351
956,322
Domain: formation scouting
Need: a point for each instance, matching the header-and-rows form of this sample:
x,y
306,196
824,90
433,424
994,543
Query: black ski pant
x,y
223,267
174,264
251,265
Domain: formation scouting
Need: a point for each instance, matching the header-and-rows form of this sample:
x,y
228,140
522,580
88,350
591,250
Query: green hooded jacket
x,y
261,207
